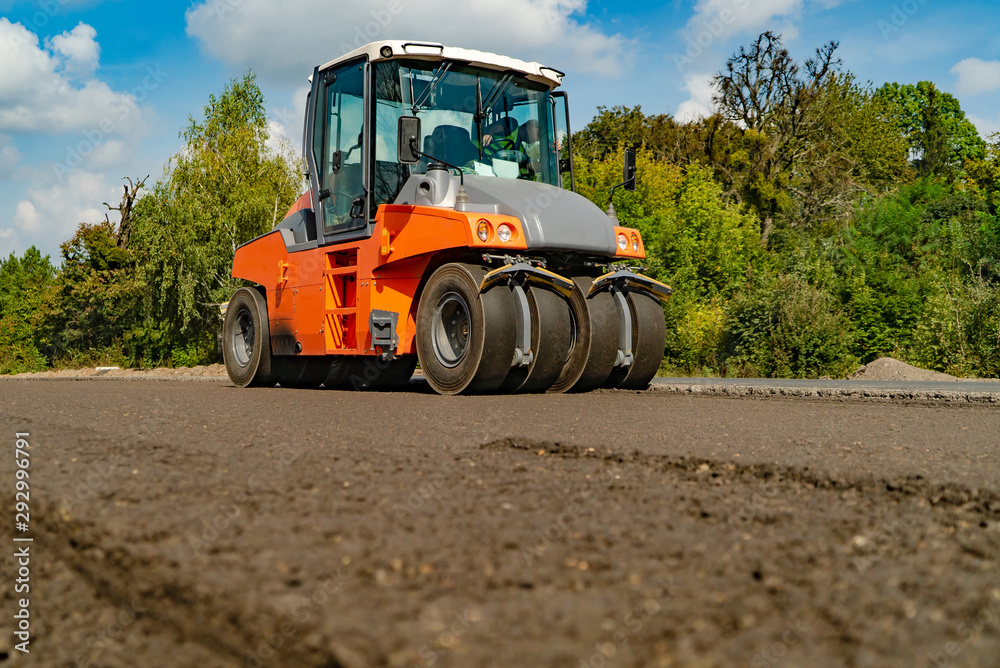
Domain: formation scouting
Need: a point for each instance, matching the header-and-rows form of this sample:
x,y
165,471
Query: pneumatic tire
x,y
300,372
372,372
594,322
551,330
465,340
649,337
246,341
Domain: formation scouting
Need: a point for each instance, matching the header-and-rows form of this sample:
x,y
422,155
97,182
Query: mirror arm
x,y
413,147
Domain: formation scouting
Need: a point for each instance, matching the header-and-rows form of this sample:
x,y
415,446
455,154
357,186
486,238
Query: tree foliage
x,y
145,290
939,136
223,189
806,228
811,224
24,284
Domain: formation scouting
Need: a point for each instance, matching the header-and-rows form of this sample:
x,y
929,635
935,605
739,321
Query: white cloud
x,y
699,104
977,76
50,90
26,216
285,124
283,42
51,213
10,157
37,95
80,49
985,126
720,19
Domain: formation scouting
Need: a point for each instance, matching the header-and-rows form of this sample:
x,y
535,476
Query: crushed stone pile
x,y
887,368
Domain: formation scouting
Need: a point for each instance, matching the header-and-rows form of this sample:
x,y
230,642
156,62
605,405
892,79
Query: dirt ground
x,y
196,524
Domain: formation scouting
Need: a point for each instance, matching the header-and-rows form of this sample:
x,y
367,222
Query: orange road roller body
x,y
440,225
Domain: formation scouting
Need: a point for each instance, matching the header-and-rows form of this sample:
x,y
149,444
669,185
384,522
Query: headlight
x,y
504,232
622,241
483,230
635,242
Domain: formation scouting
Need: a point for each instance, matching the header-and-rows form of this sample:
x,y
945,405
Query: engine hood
x,y
552,218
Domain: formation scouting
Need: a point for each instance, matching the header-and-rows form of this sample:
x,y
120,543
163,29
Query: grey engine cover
x,y
553,218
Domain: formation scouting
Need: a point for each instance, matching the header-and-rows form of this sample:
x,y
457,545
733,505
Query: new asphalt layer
x,y
195,523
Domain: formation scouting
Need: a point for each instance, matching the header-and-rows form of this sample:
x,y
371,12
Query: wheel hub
x,y
451,328
243,338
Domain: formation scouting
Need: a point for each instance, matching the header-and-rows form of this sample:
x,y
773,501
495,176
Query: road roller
x,y
440,226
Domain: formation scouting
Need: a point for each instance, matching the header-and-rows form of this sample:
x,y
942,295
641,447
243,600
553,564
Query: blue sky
x,y
95,90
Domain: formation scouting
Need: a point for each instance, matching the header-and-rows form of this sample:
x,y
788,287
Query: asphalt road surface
x,y
197,524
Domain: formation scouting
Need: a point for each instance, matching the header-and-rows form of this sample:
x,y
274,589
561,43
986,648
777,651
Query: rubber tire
x,y
258,371
371,372
550,341
490,348
340,369
593,354
302,372
649,338
620,373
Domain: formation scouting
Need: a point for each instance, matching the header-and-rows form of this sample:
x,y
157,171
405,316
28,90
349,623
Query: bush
x,y
960,331
786,328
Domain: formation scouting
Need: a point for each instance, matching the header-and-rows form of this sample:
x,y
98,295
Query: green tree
x,y
223,189
939,136
24,282
773,100
90,314
848,148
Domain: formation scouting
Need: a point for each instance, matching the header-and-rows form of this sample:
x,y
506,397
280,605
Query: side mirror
x,y
409,137
629,174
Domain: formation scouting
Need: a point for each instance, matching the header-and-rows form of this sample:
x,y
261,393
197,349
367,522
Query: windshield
x,y
493,124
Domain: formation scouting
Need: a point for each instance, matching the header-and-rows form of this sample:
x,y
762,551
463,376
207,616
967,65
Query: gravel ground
x,y
196,524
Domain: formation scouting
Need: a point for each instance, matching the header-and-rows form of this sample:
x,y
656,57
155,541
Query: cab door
x,y
339,173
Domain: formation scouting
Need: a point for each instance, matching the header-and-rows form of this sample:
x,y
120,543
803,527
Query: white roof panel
x,y
434,51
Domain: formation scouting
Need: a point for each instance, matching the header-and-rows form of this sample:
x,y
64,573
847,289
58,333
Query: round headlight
x,y
386,51
504,232
483,230
635,242
622,241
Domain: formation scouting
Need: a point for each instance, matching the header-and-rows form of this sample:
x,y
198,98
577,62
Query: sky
x,y
92,91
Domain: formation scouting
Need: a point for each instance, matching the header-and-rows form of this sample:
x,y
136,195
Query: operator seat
x,y
502,127
451,144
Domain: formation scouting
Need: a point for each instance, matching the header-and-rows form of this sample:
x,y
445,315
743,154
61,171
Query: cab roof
x,y
434,51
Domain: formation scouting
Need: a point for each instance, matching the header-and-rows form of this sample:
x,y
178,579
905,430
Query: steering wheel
x,y
341,204
512,156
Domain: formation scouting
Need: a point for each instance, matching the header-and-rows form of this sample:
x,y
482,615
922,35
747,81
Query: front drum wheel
x,y
246,341
594,339
649,336
465,340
